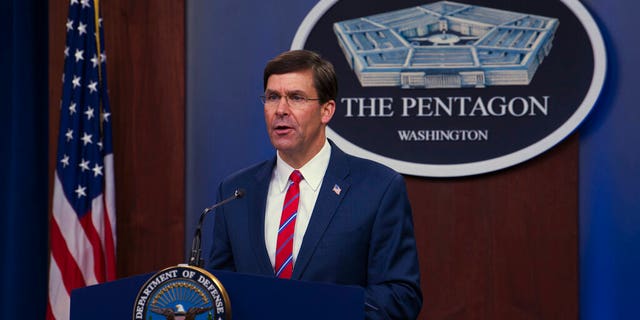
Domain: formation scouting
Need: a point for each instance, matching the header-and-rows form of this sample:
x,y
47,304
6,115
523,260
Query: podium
x,y
251,297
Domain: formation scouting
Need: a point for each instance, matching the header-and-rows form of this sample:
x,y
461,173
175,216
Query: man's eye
x,y
297,98
273,97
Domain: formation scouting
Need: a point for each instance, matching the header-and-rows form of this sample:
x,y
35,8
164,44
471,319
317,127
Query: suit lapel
x,y
257,207
333,190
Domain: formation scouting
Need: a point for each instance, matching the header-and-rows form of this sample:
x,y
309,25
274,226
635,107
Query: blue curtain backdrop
x,y
610,175
228,44
229,41
23,162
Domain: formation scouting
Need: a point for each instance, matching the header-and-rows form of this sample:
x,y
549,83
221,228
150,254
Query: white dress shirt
x,y
313,173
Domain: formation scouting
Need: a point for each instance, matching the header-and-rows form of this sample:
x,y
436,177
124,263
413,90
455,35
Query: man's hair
x,y
324,76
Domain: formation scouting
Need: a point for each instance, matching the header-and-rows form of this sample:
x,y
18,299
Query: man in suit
x,y
314,212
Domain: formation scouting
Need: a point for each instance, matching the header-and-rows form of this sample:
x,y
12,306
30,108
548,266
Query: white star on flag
x,y
84,165
76,81
65,161
92,87
86,138
80,191
89,112
69,135
95,61
82,28
97,170
78,55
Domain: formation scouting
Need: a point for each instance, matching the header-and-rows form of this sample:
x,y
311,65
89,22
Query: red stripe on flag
x,y
71,274
109,244
94,239
50,312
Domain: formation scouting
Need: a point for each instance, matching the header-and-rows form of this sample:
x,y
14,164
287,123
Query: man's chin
x,y
283,143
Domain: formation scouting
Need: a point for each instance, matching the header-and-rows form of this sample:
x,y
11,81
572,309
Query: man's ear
x,y
327,110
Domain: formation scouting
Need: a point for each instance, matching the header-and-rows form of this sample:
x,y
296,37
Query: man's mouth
x,y
282,129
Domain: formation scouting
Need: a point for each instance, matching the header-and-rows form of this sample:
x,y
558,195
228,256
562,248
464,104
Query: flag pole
x,y
96,11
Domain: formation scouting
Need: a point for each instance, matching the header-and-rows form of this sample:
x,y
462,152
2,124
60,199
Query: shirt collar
x,y
313,171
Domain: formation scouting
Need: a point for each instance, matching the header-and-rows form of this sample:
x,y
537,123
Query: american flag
x,y
82,228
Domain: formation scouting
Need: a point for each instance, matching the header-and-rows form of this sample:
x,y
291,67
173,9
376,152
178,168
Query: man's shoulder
x,y
255,171
366,167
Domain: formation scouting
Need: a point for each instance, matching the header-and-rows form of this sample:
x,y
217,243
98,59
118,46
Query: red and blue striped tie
x,y
284,246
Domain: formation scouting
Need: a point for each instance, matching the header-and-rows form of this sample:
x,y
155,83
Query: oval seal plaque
x,y
456,88
182,292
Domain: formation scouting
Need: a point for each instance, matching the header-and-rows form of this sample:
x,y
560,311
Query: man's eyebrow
x,y
288,93
298,92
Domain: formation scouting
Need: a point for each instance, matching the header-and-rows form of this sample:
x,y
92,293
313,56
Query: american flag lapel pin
x,y
336,189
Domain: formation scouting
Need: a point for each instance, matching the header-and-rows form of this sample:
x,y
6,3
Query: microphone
x,y
196,250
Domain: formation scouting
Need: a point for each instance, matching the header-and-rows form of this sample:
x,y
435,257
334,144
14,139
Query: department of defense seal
x,y
182,293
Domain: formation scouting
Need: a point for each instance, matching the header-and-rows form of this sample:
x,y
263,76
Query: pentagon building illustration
x,y
446,45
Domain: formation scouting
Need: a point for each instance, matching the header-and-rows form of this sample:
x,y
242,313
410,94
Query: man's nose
x,y
283,106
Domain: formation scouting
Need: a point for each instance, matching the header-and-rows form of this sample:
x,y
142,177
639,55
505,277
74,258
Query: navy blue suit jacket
x,y
362,235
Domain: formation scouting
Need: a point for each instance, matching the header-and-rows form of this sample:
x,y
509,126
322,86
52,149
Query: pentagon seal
x,y
182,293
456,88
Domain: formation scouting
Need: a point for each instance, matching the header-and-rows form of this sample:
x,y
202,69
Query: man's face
x,y
296,131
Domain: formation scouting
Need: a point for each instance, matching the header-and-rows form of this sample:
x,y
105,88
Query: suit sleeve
x,y
393,279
